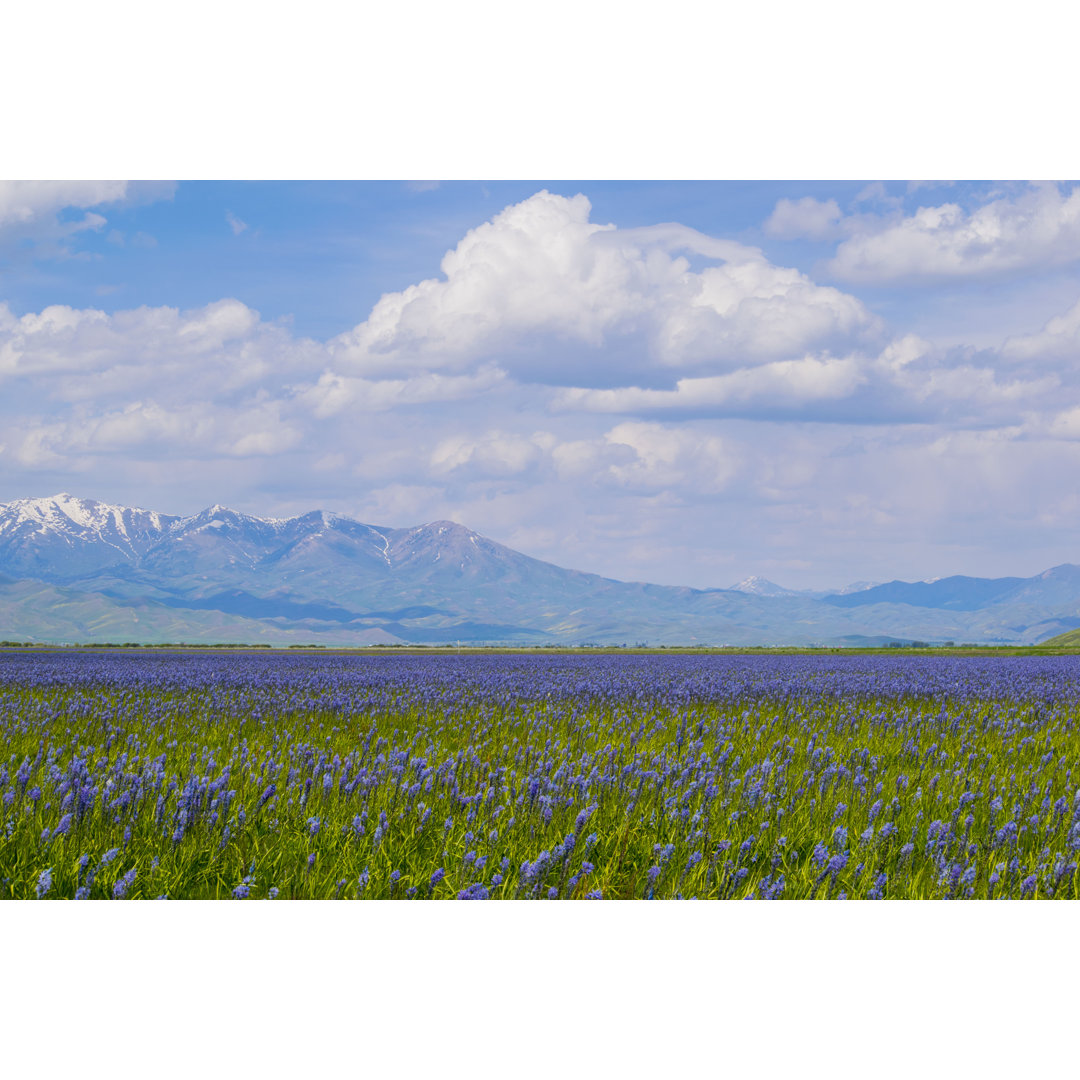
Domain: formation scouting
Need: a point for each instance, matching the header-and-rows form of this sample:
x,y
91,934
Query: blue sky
x,y
681,382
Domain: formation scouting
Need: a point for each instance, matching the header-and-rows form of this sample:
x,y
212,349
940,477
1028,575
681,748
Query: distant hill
x,y
1069,640
958,593
75,569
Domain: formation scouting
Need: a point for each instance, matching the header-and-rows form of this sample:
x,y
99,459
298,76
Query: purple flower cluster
x,y
562,777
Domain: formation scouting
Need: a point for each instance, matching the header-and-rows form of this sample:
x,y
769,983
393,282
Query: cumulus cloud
x,y
87,353
804,219
334,393
147,427
634,455
1040,226
497,453
26,202
540,278
908,381
778,385
31,210
215,380
1062,425
1058,339
145,381
671,458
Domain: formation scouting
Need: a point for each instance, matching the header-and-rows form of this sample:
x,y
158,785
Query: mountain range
x,y
78,570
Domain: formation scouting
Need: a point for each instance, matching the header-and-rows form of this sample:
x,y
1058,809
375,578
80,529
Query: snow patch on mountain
x,y
759,586
854,587
64,516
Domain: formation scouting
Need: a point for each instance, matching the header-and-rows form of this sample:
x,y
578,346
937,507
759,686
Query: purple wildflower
x,y
123,885
583,817
474,892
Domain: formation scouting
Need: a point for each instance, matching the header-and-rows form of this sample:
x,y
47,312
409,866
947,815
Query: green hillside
x,y
1070,639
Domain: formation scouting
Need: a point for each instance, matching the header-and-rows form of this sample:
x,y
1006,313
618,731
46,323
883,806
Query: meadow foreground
x,y
186,775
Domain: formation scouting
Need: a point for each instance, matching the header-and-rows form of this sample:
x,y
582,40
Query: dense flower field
x,y
528,776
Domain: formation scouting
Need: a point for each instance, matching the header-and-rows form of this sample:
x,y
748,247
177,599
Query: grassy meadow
x,y
150,774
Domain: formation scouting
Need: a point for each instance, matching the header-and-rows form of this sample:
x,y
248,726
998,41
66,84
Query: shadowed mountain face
x,y
951,593
1058,586
80,570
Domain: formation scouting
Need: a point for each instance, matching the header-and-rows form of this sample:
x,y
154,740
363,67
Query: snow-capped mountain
x,y
63,540
76,569
64,536
854,587
759,586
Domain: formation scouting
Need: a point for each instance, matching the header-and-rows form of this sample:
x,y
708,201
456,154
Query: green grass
x,y
659,775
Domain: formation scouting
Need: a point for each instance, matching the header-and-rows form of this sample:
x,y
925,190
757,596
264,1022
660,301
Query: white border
x,y
571,89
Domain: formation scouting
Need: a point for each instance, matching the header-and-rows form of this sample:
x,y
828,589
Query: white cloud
x,y
1065,425
635,456
908,380
235,223
497,453
1040,226
920,185
1058,339
87,353
668,457
541,277
877,194
782,383
334,393
142,381
26,202
807,218
256,429
30,209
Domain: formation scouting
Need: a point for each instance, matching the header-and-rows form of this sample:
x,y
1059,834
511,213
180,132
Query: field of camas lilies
x,y
187,775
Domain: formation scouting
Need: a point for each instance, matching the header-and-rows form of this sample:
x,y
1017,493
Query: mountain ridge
x,y
338,580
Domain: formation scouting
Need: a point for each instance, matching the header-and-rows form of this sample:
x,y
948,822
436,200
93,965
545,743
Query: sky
x,y
677,382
